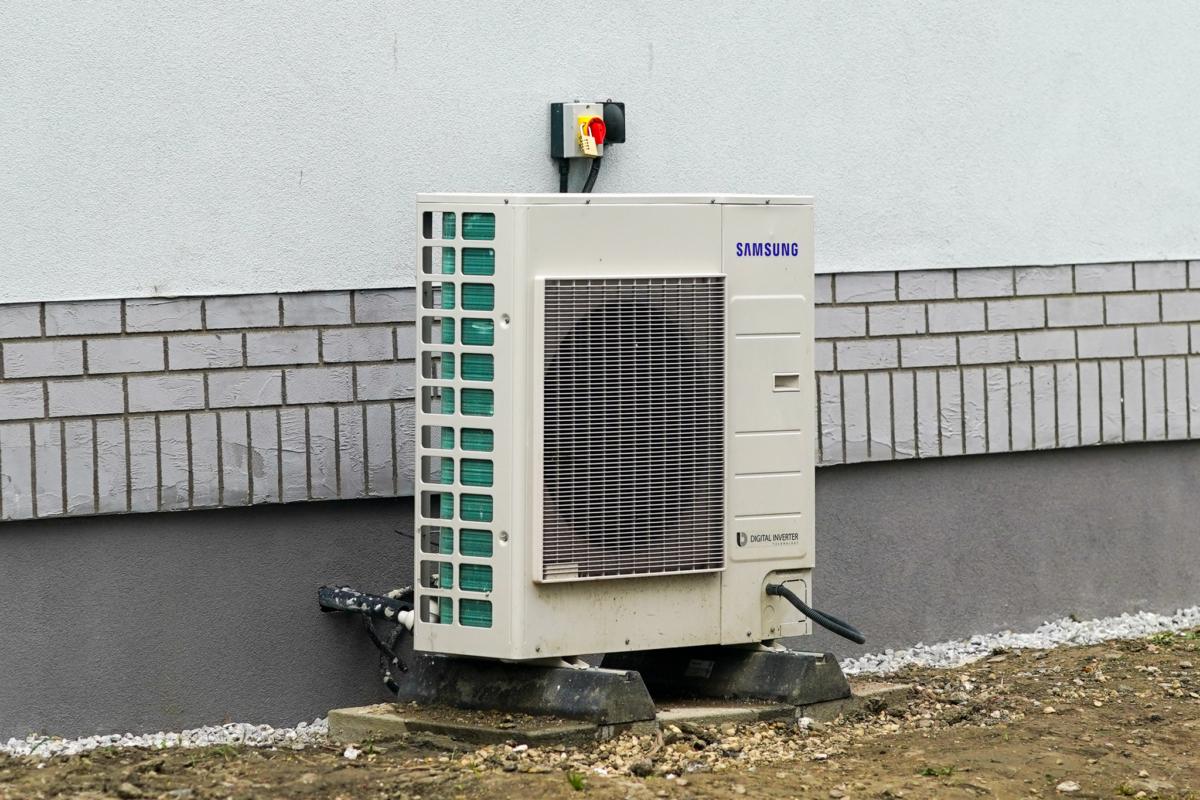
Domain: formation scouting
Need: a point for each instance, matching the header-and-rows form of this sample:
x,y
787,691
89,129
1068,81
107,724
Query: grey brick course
x,y
1044,280
385,381
18,321
361,343
1162,340
246,311
960,316
319,385
79,444
112,456
1007,315
162,314
859,287
16,471
823,356
837,322
85,397
926,365
854,417
1160,275
987,348
49,500
254,387
933,284
143,463
125,354
83,317
822,291
390,305
987,282
182,392
204,464
929,351
173,462
316,308
1064,312
281,347
1105,342
862,354
890,320
1103,278
1045,345
205,350
1123,309
42,358
21,400
1180,306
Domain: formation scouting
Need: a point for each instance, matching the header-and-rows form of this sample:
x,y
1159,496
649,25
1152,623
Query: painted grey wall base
x,y
149,622
937,549
155,621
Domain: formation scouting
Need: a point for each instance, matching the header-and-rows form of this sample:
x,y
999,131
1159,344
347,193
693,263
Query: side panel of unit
x,y
770,528
464,553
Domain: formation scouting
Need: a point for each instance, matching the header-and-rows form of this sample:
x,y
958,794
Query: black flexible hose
x,y
593,173
826,621
564,171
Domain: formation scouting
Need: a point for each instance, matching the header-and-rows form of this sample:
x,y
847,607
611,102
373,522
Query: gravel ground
x,y
1120,719
941,655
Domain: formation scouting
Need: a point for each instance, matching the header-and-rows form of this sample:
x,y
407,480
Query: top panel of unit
x,y
578,199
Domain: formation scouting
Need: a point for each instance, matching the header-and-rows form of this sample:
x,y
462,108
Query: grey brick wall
x,y
999,360
117,406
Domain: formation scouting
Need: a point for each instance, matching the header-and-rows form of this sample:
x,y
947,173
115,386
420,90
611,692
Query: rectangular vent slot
x,y
634,427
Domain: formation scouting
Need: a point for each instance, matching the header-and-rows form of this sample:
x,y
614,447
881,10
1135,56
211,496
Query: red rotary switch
x,y
596,129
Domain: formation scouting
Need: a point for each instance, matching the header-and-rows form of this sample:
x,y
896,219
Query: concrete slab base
x,y
447,726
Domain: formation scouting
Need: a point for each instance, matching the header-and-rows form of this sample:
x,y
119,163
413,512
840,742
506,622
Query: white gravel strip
x,y
236,733
1048,635
941,655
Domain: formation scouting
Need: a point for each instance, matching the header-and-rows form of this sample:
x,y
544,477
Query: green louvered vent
x,y
458,367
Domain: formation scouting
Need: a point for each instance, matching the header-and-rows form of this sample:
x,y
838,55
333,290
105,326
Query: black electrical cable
x,y
564,171
826,621
592,175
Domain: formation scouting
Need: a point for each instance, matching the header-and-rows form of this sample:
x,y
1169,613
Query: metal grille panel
x,y
634,427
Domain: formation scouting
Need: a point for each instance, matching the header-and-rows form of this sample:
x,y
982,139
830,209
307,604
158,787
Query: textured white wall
x,y
185,148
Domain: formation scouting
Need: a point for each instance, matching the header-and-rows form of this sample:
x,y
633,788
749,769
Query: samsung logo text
x,y
775,249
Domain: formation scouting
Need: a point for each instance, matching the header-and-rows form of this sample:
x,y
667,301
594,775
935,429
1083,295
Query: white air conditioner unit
x,y
615,422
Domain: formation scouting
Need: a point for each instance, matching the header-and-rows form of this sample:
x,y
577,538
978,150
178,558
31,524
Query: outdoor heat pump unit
x,y
614,422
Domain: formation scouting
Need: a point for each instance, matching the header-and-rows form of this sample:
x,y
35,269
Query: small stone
x,y
1143,774
836,793
1068,787
1185,665
308,778
128,790
351,752
510,766
739,789
1049,710
643,768
820,757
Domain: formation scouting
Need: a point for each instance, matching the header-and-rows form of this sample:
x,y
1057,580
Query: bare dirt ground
x,y
1117,720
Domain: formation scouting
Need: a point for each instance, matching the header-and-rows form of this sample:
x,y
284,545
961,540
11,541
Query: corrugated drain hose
x,y
826,621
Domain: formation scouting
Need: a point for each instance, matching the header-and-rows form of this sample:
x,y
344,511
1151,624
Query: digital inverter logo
x,y
767,249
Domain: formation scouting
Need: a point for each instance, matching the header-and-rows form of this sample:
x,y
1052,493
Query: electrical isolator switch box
x,y
577,130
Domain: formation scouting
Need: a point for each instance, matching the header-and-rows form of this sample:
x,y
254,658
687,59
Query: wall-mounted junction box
x,y
566,119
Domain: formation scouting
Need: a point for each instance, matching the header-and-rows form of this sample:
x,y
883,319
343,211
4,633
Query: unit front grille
x,y
633,427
